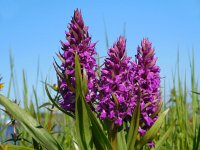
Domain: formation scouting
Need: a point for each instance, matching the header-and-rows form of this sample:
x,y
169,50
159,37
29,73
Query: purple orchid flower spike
x,y
115,95
78,41
146,74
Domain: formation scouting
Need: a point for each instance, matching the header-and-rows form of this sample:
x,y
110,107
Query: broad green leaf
x,y
83,126
98,134
14,147
134,125
121,140
163,139
82,108
151,133
99,137
78,76
30,124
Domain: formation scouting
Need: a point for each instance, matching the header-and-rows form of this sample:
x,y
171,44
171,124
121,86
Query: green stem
x,y
113,136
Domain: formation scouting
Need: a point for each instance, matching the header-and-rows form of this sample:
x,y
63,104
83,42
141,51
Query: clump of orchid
x,y
116,99
114,106
126,95
78,41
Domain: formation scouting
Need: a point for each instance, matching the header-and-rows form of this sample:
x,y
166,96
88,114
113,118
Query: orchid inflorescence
x,y
112,94
78,41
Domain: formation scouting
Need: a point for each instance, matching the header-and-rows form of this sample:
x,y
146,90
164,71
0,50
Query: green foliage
x,y
163,138
30,124
14,147
133,131
48,126
183,113
83,128
87,126
151,133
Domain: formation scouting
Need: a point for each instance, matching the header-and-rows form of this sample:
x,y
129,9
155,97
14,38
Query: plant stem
x,y
113,136
50,119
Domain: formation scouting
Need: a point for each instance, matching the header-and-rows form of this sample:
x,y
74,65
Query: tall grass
x,y
184,112
183,118
61,126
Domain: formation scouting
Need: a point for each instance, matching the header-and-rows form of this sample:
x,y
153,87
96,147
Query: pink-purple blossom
x,y
146,75
115,99
114,94
78,41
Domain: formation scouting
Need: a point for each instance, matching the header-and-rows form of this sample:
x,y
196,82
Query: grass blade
x,y
121,140
132,134
163,138
30,124
14,147
150,134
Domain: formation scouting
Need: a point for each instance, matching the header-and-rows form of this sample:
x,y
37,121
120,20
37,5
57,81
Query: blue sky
x,y
33,29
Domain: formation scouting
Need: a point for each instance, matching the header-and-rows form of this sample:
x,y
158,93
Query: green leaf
x,y
151,133
133,131
98,134
83,126
30,124
163,139
36,145
25,92
14,147
121,140
85,81
78,76
45,104
32,110
37,105
86,121
196,138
